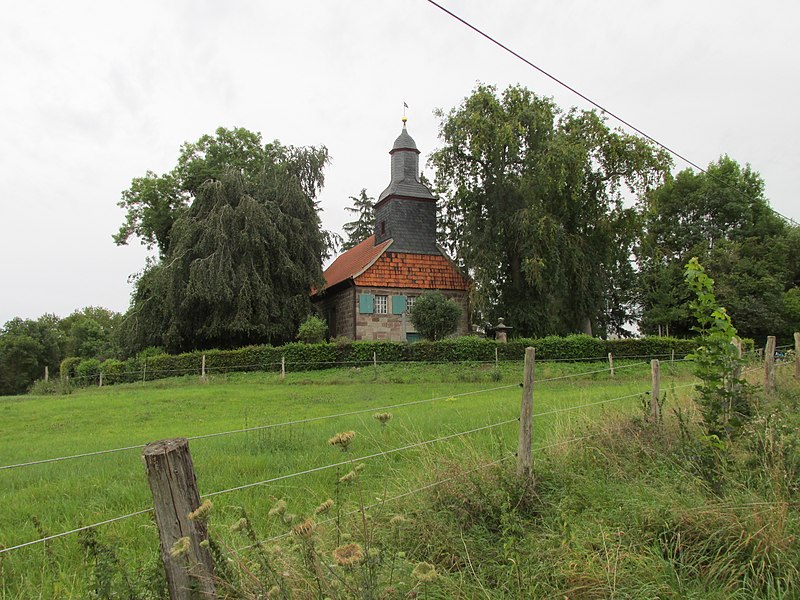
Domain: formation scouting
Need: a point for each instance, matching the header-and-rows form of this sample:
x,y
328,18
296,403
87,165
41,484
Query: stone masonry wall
x,y
342,307
390,327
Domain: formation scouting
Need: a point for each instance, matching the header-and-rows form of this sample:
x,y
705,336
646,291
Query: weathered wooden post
x,y
672,357
524,458
769,365
46,373
611,363
187,561
496,358
144,372
655,407
100,384
283,366
797,354
203,368
374,359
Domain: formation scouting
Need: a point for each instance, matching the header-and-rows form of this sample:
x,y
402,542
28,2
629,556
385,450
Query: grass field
x,y
49,498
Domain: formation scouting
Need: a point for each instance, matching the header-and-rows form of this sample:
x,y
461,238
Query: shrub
x,y
68,365
435,316
88,371
312,330
113,370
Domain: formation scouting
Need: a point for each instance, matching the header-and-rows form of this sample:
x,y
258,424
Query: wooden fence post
x,y
496,357
188,564
374,359
144,372
203,368
797,354
101,380
769,365
46,373
611,363
524,458
283,366
737,343
672,357
655,407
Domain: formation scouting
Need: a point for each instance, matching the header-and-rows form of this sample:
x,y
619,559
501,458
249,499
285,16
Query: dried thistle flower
x,y
240,525
424,572
305,529
348,477
343,440
324,507
348,554
202,512
278,509
180,547
382,418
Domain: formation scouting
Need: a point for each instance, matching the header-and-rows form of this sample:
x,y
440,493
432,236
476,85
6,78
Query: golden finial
x,y
405,106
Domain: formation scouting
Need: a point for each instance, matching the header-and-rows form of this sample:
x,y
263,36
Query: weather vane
x,y
405,106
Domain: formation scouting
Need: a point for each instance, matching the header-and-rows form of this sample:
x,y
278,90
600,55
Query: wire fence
x,y
339,464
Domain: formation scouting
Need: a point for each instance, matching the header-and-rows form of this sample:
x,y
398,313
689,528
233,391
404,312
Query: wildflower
x,y
202,512
348,477
240,525
324,507
424,572
278,509
343,440
348,554
382,418
304,529
180,547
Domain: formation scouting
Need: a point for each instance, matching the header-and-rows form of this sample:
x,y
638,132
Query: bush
x,y
114,371
68,365
312,330
435,316
88,371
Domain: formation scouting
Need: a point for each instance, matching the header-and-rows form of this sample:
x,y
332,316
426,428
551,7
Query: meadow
x,y
441,400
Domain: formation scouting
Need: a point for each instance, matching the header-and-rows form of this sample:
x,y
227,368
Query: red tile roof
x,y
420,271
354,261
374,266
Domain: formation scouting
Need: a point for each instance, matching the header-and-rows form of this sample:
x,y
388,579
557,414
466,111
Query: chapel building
x,y
370,289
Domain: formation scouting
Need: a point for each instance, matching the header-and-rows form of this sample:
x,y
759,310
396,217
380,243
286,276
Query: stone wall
x,y
339,311
394,328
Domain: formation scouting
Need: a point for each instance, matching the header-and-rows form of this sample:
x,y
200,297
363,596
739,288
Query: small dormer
x,y
406,209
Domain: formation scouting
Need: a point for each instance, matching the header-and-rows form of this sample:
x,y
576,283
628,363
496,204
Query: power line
x,y
599,106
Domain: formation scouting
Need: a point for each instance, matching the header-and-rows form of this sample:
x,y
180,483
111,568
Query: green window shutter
x,y
398,305
366,303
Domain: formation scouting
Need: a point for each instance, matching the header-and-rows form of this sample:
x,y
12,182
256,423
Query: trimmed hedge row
x,y
304,357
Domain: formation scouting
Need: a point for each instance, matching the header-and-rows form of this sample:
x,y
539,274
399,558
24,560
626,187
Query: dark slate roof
x,y
404,141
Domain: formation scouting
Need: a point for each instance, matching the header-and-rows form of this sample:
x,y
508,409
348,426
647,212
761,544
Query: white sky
x,y
96,93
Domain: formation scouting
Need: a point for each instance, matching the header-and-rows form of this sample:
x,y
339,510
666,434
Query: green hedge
x,y
304,357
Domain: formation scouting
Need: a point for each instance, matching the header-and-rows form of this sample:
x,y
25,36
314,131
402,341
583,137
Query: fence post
x,y
374,359
144,372
496,358
769,365
46,373
101,380
203,368
797,354
655,408
611,363
672,357
170,473
524,459
283,366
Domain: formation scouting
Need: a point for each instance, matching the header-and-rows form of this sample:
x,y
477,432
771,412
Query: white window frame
x,y
381,305
410,303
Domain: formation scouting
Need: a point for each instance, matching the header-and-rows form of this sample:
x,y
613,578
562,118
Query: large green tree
x,y
242,256
27,346
364,225
722,217
532,206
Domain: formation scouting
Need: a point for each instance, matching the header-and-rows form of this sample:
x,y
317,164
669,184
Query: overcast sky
x,y
96,93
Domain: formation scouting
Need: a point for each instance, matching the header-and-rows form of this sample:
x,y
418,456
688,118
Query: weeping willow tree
x,y
532,205
241,259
